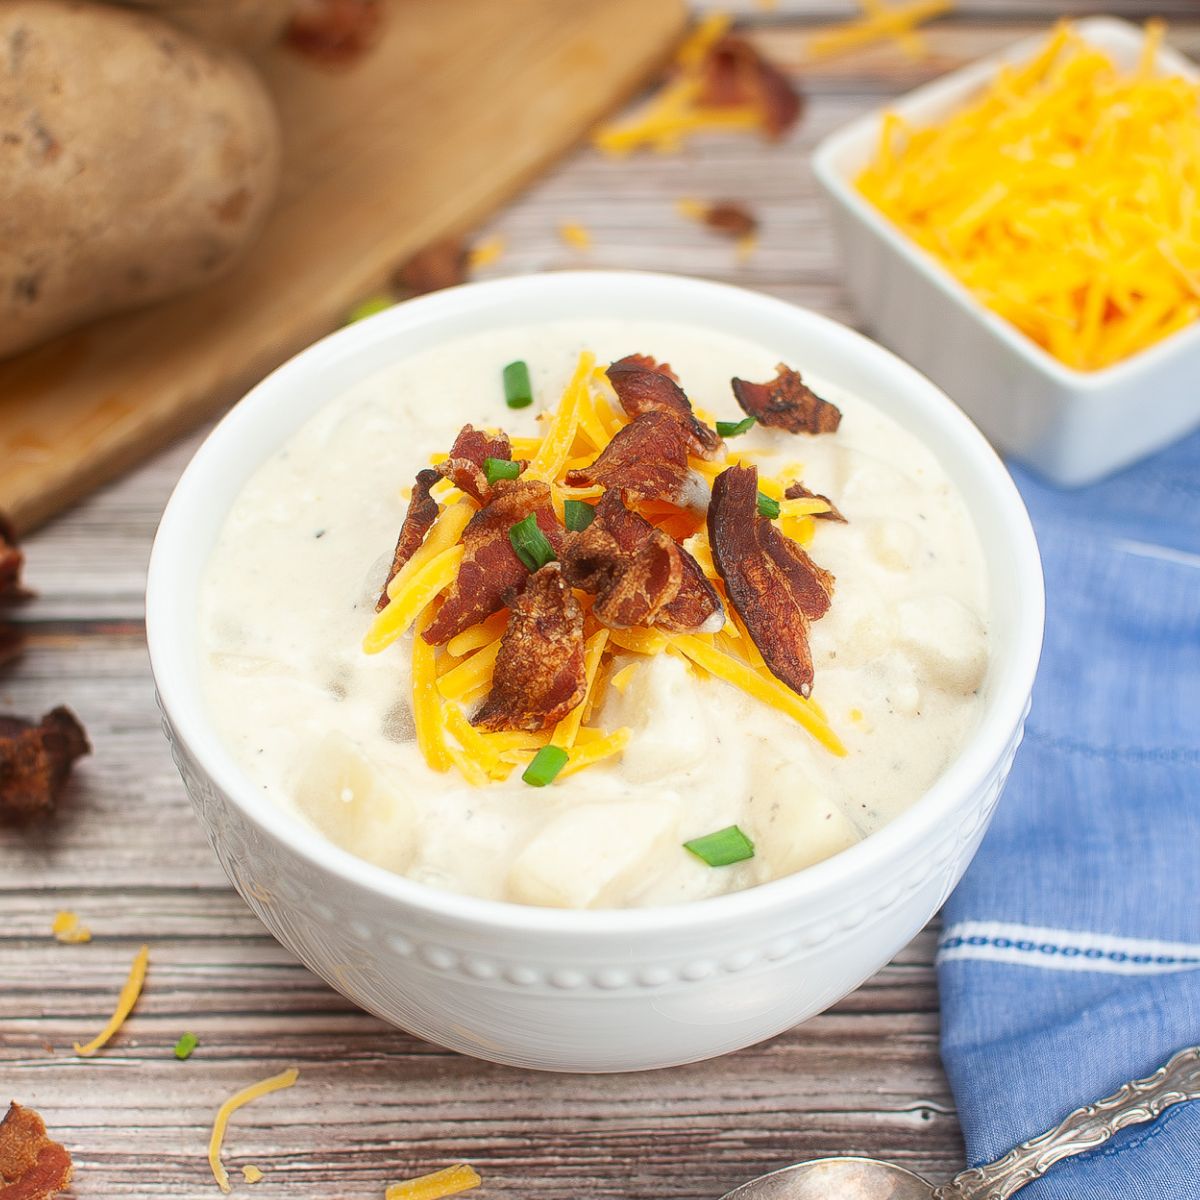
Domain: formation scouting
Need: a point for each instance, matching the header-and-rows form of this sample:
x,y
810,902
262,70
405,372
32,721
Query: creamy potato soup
x,y
681,735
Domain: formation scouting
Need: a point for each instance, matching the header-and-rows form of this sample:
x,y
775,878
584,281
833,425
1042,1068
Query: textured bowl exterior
x,y
558,1002
1073,426
594,990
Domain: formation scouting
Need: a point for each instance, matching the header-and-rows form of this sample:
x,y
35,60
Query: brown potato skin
x,y
135,162
246,24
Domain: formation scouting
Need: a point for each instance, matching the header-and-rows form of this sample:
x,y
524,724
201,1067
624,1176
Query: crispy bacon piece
x,y
32,1165
797,491
775,587
731,219
651,364
464,467
491,574
735,73
539,675
35,761
786,403
421,514
335,33
694,608
631,586
646,460
646,389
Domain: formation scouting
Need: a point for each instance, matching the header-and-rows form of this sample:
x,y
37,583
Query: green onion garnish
x,y
733,428
577,514
518,391
723,848
185,1046
767,507
547,763
500,468
531,544
368,308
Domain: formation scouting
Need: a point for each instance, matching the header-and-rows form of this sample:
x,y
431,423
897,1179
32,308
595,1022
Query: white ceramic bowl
x,y
1073,426
606,990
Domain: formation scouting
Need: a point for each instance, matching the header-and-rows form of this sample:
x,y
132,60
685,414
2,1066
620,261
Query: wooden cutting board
x,y
458,106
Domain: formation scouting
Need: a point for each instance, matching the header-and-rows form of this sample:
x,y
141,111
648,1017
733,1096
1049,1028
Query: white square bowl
x,y
1073,426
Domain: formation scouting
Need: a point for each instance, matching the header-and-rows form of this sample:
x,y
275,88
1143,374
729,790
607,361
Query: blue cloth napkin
x,y
1070,958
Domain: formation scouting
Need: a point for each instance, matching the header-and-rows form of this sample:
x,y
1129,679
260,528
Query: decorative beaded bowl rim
x,y
284,400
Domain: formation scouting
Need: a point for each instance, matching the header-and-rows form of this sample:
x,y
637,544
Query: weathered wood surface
x,y
373,1104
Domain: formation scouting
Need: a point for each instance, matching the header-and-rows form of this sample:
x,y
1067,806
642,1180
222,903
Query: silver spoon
x,y
1084,1129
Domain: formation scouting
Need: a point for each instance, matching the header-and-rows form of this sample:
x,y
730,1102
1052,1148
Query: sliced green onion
x,y
518,391
577,514
767,507
531,544
723,848
733,428
368,308
547,763
185,1046
500,468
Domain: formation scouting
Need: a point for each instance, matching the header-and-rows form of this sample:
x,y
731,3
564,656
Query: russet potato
x,y
136,161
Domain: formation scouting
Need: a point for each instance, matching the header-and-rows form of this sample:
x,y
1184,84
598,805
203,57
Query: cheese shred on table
x,y
263,1088
125,1002
447,680
1063,196
451,1181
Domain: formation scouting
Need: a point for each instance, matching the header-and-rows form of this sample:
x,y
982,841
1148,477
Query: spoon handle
x,y
1085,1129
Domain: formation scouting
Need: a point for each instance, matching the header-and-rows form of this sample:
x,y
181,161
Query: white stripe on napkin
x,y
1064,949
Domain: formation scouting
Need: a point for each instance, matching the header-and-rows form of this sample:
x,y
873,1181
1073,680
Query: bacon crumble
x,y
735,73
32,1165
464,468
631,587
491,574
540,674
643,387
775,587
696,607
730,219
440,265
422,512
11,562
797,491
646,460
786,402
335,33
36,761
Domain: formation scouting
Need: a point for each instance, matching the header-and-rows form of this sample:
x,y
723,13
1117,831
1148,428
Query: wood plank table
x,y
374,1105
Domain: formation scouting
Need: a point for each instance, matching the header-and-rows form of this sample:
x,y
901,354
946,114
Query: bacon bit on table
x,y
491,574
11,562
643,388
786,403
32,1165
736,75
422,512
646,460
540,674
732,219
465,466
440,265
774,586
335,33
797,491
36,760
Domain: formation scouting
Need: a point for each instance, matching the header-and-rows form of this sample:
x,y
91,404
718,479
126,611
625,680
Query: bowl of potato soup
x,y
594,671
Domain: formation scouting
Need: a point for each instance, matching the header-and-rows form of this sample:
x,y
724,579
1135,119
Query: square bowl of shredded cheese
x,y
1025,231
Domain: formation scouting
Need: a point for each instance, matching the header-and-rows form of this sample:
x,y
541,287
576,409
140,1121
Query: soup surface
x,y
327,730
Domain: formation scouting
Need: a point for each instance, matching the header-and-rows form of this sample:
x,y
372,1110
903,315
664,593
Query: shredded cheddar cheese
x,y
879,23
595,750
450,1182
406,602
68,930
484,253
1062,196
251,1174
125,1002
263,1088
425,707
567,730
470,674
555,449
575,235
